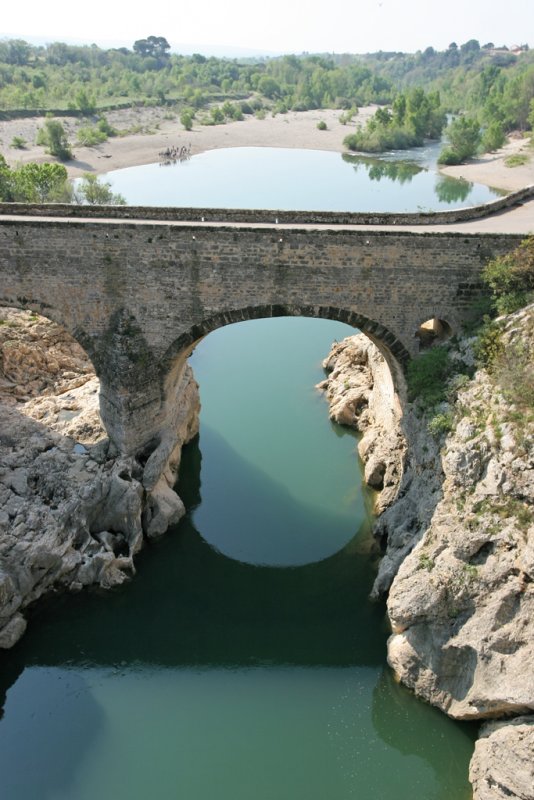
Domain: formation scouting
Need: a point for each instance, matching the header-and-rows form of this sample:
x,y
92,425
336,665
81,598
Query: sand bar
x,y
154,132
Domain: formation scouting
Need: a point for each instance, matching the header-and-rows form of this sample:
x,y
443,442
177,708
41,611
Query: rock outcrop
x,y
71,515
462,604
502,766
361,394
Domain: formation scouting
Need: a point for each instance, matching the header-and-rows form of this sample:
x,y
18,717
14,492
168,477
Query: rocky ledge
x,y
361,395
71,513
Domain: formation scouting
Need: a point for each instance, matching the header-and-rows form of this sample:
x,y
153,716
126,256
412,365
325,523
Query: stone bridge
x,y
138,293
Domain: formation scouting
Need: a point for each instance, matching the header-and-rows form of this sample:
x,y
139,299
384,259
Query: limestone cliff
x,y
459,560
71,514
462,604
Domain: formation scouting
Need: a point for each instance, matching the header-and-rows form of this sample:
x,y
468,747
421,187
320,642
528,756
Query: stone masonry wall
x,y
137,295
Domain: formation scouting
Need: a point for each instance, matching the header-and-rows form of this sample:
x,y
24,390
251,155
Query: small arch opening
x,y
433,331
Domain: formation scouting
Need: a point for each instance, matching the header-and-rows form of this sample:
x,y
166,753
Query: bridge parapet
x,y
269,217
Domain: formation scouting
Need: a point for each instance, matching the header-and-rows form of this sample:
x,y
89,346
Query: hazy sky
x,y
276,25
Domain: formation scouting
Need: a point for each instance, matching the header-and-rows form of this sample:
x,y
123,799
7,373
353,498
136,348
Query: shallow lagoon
x,y
307,180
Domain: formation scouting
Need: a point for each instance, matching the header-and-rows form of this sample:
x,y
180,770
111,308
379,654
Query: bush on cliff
x,y
511,278
427,377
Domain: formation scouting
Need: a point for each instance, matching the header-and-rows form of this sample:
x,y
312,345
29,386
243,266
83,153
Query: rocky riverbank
x,y
71,513
459,564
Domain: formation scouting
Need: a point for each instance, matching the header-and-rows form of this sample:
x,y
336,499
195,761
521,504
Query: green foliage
x,y
54,137
156,47
464,140
441,423
321,125
426,562
217,115
34,183
488,345
186,119
511,278
493,137
85,102
413,117
89,136
18,143
491,85
427,376
92,192
516,160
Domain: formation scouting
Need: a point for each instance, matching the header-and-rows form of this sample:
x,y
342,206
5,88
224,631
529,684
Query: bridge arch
x,y
173,362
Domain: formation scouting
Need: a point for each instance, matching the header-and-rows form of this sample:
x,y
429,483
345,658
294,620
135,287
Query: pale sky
x,y
356,26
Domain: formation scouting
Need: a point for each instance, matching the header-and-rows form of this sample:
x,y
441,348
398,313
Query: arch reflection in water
x,y
289,491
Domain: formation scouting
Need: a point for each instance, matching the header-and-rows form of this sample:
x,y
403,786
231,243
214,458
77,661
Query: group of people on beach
x,y
175,153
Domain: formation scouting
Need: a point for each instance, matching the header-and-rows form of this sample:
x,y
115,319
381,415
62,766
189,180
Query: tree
x,y
85,102
494,137
34,183
153,46
268,87
91,192
186,118
464,140
54,137
41,183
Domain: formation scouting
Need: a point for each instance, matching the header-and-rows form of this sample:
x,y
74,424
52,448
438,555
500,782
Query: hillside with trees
x,y
491,87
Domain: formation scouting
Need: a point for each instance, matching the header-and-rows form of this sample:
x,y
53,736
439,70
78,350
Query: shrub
x,y
516,160
464,140
89,136
92,192
441,423
511,278
54,137
322,126
449,157
488,345
18,142
427,376
186,118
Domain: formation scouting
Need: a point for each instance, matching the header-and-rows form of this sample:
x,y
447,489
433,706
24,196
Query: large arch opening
x,y
391,348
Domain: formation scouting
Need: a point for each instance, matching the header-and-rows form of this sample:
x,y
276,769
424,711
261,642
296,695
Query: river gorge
x,y
245,658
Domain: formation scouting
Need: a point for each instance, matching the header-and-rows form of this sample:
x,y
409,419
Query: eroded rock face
x,y
462,604
70,514
361,395
502,766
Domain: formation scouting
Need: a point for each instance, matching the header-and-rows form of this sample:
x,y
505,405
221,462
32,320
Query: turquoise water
x,y
309,180
245,659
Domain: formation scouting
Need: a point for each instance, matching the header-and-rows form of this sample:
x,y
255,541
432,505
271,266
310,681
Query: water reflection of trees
x,y
452,190
377,169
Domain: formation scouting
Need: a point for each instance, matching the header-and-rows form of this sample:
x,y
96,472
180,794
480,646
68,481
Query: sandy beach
x,y
153,132
156,134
